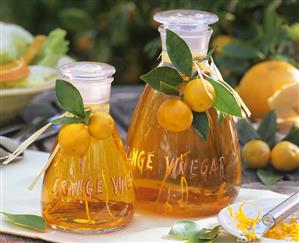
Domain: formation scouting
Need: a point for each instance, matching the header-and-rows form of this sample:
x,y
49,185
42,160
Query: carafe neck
x,y
198,42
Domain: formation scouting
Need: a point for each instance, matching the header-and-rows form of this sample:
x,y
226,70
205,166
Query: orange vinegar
x,y
179,174
93,193
90,193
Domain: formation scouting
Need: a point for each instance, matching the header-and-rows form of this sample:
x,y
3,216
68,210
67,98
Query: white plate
x,y
229,223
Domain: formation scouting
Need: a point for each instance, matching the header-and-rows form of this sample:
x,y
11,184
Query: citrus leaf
x,y
246,131
168,89
269,176
209,234
67,120
201,124
267,128
69,98
225,101
183,230
167,75
293,136
179,53
220,116
30,221
239,50
270,27
232,64
75,19
87,115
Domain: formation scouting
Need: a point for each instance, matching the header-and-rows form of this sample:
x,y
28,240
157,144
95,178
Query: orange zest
x,y
285,230
13,71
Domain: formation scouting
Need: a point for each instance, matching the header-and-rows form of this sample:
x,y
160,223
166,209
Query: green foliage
x,y
33,222
201,124
124,34
269,176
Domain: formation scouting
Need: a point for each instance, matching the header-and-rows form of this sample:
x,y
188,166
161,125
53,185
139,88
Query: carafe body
x,y
178,173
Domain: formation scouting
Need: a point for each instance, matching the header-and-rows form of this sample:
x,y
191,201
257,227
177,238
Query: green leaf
x,y
201,124
225,101
232,64
246,131
209,234
220,116
179,53
239,50
270,27
87,115
67,120
162,74
183,230
75,19
168,89
210,53
293,136
30,221
269,176
69,98
267,128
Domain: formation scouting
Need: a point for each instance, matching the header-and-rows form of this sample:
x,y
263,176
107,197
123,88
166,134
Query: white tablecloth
x,y
15,198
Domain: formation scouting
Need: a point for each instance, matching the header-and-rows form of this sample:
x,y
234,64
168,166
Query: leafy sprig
x,y
189,231
166,80
69,98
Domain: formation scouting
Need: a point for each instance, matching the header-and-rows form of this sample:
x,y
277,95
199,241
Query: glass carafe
x,y
94,192
178,173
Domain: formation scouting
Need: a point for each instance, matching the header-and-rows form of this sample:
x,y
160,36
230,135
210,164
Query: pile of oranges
x,y
284,156
176,115
74,139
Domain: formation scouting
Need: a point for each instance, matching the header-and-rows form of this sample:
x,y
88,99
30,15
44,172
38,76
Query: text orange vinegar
x,y
178,173
91,193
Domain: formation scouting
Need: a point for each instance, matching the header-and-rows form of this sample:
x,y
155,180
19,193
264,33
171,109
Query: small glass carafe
x,y
178,173
94,192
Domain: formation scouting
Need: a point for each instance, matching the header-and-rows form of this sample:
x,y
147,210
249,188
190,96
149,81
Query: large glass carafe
x,y
94,192
178,173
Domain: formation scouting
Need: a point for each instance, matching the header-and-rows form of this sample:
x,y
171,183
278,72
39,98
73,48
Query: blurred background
x,y
124,34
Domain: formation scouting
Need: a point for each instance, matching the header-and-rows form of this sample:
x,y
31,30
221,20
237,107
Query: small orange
x,y
256,154
101,125
285,156
74,139
220,41
199,95
175,115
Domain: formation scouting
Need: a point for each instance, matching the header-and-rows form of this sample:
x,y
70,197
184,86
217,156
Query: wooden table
x,y
123,101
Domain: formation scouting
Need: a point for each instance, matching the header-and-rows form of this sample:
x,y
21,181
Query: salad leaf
x,y
14,42
53,49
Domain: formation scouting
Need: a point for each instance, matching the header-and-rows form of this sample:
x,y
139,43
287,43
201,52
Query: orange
x,y
34,48
174,115
13,71
199,95
261,81
221,41
74,139
285,156
256,154
101,125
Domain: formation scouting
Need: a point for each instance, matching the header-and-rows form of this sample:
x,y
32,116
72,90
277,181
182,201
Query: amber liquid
x,y
179,174
90,194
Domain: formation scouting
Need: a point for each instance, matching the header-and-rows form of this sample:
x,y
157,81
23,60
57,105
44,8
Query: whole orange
x,y
261,81
174,115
